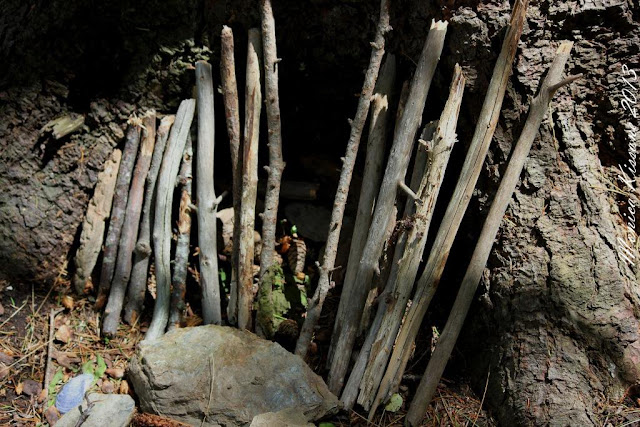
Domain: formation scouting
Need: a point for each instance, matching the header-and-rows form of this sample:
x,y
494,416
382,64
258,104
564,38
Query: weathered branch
x,y
478,148
181,263
276,163
447,340
252,106
93,226
206,197
232,113
354,294
138,282
162,218
315,303
130,228
118,211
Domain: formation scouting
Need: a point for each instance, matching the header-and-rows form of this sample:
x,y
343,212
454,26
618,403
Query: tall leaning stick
x,y
357,125
232,114
206,197
118,209
252,107
476,154
138,281
276,163
447,340
130,228
354,294
162,218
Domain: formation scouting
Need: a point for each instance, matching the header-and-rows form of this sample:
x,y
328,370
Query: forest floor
x,y
26,353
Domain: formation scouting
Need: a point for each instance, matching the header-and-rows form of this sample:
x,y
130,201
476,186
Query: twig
x,y
355,293
162,218
206,197
116,221
50,349
253,105
478,148
130,228
179,282
142,253
499,206
232,113
276,163
484,394
93,226
315,304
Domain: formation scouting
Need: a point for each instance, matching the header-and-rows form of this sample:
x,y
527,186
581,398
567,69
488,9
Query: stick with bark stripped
x,y
355,293
232,113
118,211
357,125
138,282
162,217
207,201
478,148
447,340
252,107
130,228
93,226
179,282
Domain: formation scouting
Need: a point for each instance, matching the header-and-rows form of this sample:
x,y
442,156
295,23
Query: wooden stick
x,y
179,281
130,228
232,113
357,125
138,282
206,197
253,105
276,163
438,151
162,218
118,211
50,347
94,222
354,294
447,340
478,148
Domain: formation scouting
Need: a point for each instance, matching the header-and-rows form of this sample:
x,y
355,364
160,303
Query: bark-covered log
x,y
130,228
162,216
206,198
181,261
142,252
118,209
94,223
355,293
247,213
232,114
357,125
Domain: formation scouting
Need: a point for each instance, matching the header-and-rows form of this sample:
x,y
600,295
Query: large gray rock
x,y
224,376
114,410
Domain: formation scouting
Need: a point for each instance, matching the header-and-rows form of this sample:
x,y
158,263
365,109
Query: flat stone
x,y
284,418
113,410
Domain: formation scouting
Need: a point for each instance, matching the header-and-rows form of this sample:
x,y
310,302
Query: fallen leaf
x,y
66,359
67,302
4,370
107,387
31,388
124,387
64,334
395,403
52,415
1,310
43,395
115,372
5,358
19,388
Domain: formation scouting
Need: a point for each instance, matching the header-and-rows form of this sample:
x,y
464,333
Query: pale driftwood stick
x,y
162,217
181,262
206,197
276,163
94,222
354,294
447,340
118,211
130,228
138,282
478,148
232,113
252,107
438,150
402,103
357,125
373,165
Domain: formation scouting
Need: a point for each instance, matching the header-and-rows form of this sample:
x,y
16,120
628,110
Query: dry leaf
x,y
124,387
67,302
4,370
66,359
5,358
43,395
31,388
52,415
115,372
107,387
19,388
1,310
64,334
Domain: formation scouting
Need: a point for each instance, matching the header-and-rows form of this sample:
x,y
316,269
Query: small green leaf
x,y
303,299
325,424
88,367
51,387
223,275
395,403
101,367
294,229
